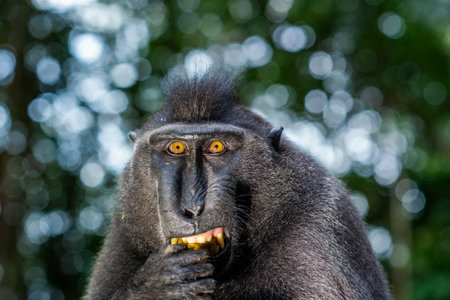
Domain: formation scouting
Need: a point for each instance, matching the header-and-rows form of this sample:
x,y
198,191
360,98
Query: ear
x,y
132,135
275,136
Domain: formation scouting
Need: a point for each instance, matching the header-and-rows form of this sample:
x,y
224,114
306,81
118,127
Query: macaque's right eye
x,y
176,148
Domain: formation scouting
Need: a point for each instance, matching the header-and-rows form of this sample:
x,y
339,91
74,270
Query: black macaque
x,y
217,204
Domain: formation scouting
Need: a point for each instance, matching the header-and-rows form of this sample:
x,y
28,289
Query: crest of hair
x,y
207,96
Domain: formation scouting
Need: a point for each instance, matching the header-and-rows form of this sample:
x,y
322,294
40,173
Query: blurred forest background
x,y
362,85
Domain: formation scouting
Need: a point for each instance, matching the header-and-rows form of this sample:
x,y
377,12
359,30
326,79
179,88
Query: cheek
x,y
140,217
249,167
220,206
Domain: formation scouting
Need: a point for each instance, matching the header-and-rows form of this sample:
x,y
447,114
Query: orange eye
x,y
176,148
215,147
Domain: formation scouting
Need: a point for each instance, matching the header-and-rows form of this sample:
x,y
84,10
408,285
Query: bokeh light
x,y
59,6
7,64
48,70
316,101
435,93
233,56
90,219
277,10
86,47
257,51
40,26
124,75
381,242
101,16
290,38
241,10
361,203
320,65
92,174
400,255
391,25
5,125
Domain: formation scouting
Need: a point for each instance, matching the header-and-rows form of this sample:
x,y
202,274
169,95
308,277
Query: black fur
x,y
293,231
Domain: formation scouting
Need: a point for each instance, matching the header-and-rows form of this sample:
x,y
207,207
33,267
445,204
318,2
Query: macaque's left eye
x,y
215,147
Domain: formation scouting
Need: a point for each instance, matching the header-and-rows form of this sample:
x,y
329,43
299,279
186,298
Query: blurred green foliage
x,y
362,85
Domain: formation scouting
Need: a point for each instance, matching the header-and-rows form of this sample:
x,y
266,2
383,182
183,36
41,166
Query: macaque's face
x,y
198,188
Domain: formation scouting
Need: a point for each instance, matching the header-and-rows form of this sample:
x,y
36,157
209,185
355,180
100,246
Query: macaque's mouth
x,y
213,241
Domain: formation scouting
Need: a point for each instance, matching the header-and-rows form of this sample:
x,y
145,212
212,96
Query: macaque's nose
x,y
193,212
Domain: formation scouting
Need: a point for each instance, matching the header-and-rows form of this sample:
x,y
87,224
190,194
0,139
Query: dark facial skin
x,y
195,183
196,188
280,226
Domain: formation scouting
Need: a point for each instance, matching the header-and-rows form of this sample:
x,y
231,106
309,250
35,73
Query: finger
x,y
172,249
188,257
193,272
199,287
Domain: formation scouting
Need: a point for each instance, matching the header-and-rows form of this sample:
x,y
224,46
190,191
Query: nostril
x,y
191,213
199,209
188,212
